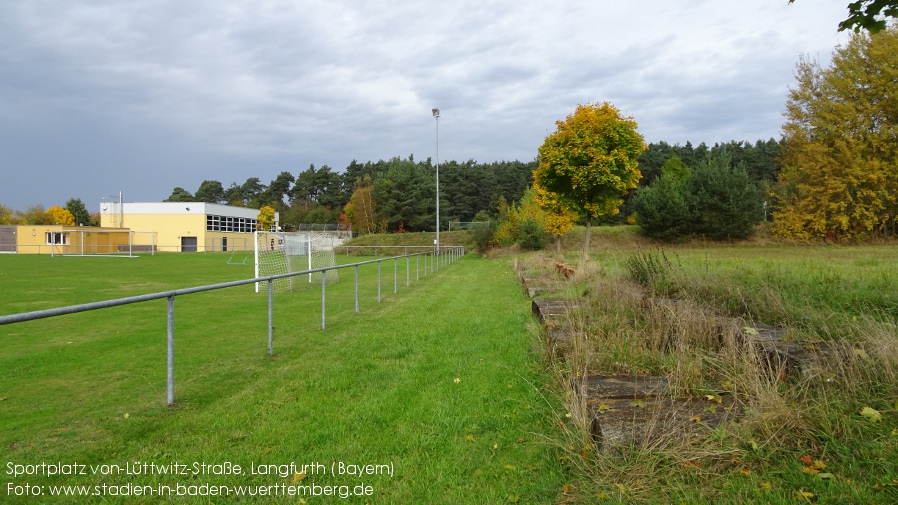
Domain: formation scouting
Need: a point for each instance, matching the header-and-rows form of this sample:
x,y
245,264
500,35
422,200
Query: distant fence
x,y
431,260
377,250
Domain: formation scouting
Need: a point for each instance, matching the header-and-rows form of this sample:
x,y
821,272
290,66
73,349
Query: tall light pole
x,y
436,115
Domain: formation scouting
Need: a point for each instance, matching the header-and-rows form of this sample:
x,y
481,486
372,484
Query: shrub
x,y
716,199
530,235
483,235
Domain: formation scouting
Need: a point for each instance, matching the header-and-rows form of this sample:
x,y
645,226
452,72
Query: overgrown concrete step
x,y
618,423
797,358
534,285
804,358
762,332
559,339
550,310
598,388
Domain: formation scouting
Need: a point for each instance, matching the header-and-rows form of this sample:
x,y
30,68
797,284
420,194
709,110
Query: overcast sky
x,y
141,96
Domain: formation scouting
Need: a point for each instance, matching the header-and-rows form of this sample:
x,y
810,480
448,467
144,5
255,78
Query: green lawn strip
x,y
373,388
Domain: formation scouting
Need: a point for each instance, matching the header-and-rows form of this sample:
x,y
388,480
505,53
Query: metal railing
x,y
432,259
363,250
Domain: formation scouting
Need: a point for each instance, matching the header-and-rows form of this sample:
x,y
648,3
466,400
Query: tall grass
x,y
681,313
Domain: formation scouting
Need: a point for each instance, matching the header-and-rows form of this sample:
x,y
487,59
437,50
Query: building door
x,y
7,239
188,244
224,243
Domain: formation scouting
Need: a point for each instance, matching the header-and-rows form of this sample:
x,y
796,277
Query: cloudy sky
x,y
140,96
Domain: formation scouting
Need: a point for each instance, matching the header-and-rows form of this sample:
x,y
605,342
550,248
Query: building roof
x,y
178,208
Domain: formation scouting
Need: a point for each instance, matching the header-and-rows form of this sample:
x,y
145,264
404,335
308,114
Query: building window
x,y
57,238
230,224
212,223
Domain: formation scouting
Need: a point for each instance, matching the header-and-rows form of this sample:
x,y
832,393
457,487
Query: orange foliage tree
x,y
841,151
589,162
61,216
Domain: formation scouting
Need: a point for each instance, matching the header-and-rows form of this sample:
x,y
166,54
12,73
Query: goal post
x,y
95,241
285,252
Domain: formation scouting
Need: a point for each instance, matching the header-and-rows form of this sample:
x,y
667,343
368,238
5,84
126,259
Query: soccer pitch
x,y
432,396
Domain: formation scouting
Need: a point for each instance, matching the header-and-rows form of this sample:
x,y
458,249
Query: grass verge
x,y
440,382
827,434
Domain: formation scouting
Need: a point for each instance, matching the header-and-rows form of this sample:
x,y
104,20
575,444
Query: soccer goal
x,y
95,241
285,252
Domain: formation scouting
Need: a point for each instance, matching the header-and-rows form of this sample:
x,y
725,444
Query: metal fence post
x,y
417,261
323,289
171,349
378,280
395,275
356,289
407,270
270,317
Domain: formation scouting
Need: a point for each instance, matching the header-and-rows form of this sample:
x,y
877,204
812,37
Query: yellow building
x,y
60,239
184,226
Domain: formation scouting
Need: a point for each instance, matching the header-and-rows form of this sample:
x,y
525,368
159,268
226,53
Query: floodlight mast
x,y
436,115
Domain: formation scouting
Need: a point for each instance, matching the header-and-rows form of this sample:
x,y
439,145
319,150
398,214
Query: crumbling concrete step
x,y
548,310
803,358
559,341
796,358
534,285
762,332
598,388
619,423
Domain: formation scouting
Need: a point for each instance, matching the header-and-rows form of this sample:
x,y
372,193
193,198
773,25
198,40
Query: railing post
x,y
171,349
270,317
407,270
417,261
395,275
378,280
323,290
356,289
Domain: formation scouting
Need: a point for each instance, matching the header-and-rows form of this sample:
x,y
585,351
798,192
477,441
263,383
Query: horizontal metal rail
x,y
445,255
355,249
84,307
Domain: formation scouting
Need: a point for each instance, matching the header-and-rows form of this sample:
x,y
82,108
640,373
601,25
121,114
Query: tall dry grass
x,y
683,315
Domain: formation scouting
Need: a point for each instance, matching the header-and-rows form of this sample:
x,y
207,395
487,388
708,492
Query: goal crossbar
x,y
287,252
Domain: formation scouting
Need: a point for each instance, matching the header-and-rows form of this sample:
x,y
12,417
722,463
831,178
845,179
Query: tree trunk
x,y
558,244
588,233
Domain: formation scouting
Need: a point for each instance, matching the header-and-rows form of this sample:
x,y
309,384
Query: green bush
x,y
531,235
483,235
728,204
716,200
664,209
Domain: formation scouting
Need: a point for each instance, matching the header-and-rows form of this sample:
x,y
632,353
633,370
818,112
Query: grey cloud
x,y
150,94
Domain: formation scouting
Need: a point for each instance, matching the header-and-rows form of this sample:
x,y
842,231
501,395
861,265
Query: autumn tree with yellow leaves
x,y
61,216
589,162
840,161
360,211
265,219
559,218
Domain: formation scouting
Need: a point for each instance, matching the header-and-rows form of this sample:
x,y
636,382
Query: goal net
x,y
95,241
286,252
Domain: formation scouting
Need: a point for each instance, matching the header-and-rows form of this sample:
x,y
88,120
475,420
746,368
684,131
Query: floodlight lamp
x,y
436,113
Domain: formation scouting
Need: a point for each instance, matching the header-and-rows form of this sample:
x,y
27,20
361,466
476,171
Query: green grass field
x,y
446,382
441,382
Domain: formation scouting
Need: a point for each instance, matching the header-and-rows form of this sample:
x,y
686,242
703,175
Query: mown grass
x,y
802,438
441,380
